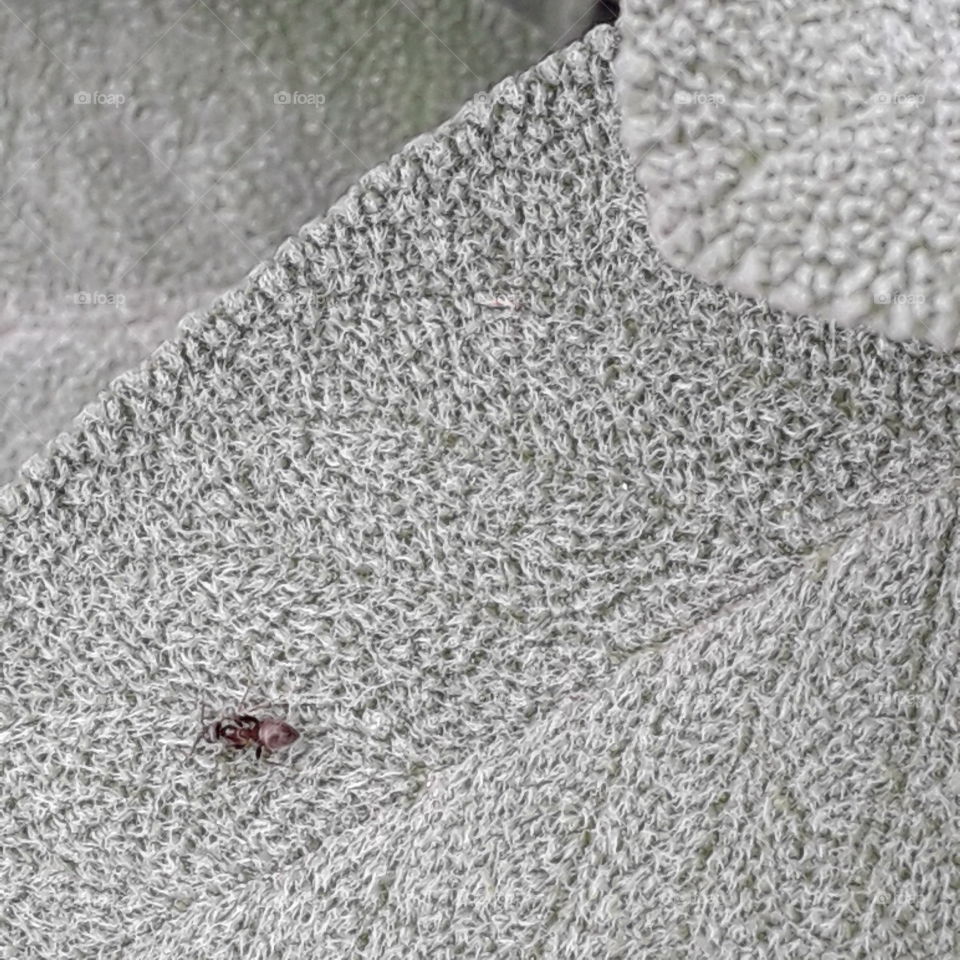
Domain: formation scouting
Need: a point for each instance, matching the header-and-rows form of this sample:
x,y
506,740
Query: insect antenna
x,y
203,729
243,699
271,704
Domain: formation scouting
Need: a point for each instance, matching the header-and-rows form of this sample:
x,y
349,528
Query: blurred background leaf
x,y
148,161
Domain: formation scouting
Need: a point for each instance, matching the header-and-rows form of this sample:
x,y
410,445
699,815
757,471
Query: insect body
x,y
248,731
242,730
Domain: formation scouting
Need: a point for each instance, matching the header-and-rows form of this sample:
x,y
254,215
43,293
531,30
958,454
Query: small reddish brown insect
x,y
242,730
